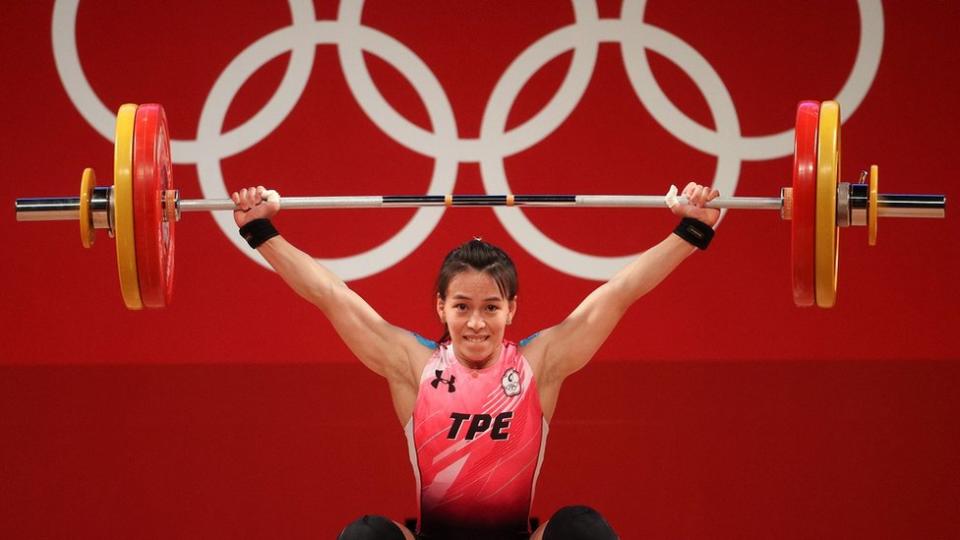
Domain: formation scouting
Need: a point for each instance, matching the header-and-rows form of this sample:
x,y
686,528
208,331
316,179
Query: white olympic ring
x,y
583,36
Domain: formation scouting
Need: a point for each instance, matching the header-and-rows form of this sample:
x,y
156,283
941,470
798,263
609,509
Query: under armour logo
x,y
449,382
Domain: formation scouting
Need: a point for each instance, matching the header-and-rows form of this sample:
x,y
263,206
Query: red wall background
x,y
718,409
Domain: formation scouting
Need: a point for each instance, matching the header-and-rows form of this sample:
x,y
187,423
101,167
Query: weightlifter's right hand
x,y
254,203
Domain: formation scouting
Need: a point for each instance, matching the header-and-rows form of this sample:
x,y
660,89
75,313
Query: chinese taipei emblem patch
x,y
511,382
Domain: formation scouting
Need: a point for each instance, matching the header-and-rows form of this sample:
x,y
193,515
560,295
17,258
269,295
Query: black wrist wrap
x,y
257,232
696,232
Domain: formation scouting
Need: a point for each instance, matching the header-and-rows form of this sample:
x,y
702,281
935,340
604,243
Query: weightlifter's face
x,y
476,315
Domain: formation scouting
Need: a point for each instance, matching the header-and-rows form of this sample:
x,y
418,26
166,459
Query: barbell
x,y
143,205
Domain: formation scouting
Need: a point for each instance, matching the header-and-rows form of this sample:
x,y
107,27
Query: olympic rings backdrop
x,y
395,97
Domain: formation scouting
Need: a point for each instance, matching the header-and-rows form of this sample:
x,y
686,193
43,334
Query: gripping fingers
x,y
671,197
264,195
242,201
262,202
696,196
692,192
249,198
271,196
271,199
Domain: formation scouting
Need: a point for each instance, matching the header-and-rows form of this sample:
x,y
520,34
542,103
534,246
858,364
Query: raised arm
x,y
568,346
384,348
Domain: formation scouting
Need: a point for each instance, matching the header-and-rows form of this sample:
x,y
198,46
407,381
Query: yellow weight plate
x,y
872,210
123,206
87,182
827,233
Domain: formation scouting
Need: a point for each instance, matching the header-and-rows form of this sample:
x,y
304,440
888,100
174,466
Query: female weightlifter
x,y
475,407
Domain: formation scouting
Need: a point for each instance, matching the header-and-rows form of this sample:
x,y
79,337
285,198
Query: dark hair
x,y
482,257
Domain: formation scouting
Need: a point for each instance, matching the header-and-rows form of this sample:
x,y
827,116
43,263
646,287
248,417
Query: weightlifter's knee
x,y
371,528
578,523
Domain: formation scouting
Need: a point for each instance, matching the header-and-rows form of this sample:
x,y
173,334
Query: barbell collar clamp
x,y
843,204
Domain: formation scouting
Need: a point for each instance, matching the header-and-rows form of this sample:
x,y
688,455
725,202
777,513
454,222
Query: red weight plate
x,y
152,176
804,202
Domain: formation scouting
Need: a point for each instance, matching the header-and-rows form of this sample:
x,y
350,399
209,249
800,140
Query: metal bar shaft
x,y
48,209
911,206
889,205
407,201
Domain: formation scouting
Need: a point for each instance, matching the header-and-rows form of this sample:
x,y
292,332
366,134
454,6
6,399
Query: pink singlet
x,y
476,443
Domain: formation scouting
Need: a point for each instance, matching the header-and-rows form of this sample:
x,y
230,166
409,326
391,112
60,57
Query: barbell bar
x,y
888,204
143,205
